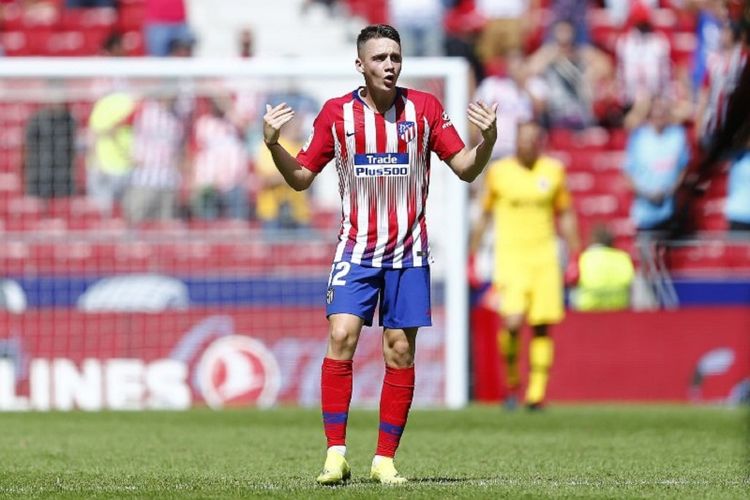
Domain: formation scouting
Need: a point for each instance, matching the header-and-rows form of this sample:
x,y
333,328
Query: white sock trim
x,y
341,450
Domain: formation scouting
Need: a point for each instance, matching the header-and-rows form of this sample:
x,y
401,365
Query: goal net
x,y
151,259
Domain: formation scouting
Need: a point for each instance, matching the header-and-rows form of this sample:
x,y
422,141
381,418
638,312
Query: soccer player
x,y
524,193
381,136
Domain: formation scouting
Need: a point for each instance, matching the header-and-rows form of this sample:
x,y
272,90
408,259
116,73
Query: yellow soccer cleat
x,y
336,470
385,472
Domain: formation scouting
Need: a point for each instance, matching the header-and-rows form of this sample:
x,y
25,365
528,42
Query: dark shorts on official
x,y
404,294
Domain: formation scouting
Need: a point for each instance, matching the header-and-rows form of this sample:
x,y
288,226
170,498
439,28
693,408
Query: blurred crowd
x,y
659,69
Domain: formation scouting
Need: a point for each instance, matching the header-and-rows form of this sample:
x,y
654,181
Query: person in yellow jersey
x,y
525,193
606,275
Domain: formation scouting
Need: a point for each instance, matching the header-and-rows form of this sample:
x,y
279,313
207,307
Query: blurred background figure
x,y
519,97
278,206
219,184
463,26
643,58
165,27
711,16
723,70
419,22
113,46
508,24
246,43
606,275
50,149
158,154
572,73
109,160
573,12
656,158
527,197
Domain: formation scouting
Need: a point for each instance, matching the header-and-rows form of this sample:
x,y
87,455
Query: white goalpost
x,y
226,279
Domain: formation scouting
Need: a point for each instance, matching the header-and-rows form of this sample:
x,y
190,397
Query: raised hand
x,y
485,119
274,119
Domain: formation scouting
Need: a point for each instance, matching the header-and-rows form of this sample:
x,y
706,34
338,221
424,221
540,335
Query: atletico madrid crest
x,y
406,131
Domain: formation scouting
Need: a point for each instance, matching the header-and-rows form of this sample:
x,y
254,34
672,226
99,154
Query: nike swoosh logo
x,y
349,134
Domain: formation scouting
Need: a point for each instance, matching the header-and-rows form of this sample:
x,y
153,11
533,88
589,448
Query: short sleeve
x,y
444,140
318,150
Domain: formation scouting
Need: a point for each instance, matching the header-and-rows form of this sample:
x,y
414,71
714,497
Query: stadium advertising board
x,y
700,355
61,359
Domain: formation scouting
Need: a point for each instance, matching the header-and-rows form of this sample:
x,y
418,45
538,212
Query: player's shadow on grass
x,y
441,480
422,480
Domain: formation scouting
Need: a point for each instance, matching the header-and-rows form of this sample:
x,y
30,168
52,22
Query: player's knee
x,y
399,353
342,339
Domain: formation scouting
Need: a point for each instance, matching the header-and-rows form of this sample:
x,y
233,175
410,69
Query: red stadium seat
x,y
132,16
738,256
97,17
10,182
15,43
133,43
702,257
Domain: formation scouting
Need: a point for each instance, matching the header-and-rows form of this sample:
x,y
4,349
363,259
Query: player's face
x,y
379,62
528,142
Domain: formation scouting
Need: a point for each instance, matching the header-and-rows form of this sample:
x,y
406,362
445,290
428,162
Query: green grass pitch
x,y
481,452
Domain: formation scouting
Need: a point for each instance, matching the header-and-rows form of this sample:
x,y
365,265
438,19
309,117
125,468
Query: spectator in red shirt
x,y
165,24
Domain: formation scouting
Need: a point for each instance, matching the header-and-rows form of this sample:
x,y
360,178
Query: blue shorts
x,y
404,294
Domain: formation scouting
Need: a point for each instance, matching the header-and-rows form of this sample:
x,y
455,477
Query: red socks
x,y
395,402
335,396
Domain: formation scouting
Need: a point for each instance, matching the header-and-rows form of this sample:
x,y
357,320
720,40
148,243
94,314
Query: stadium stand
x,y
593,157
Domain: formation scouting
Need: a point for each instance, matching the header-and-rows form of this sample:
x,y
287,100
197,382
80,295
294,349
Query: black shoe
x,y
534,407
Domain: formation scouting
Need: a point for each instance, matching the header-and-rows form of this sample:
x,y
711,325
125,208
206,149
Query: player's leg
x,y
541,354
336,393
399,346
546,309
508,341
404,307
512,284
351,298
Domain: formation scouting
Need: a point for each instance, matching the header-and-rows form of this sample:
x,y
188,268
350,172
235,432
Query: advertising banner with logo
x,y
700,355
61,359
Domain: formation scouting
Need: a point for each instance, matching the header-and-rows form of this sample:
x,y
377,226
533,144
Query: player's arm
x,y
568,224
298,177
467,164
478,232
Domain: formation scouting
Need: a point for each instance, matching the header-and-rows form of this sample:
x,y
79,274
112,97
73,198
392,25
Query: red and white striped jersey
x,y
383,166
724,70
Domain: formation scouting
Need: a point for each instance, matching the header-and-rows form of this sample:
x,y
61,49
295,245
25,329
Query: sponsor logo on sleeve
x,y
446,120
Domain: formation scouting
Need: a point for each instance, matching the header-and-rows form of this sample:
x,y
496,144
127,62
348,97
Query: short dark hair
x,y
377,31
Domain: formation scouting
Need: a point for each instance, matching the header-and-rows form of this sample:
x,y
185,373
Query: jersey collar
x,y
355,94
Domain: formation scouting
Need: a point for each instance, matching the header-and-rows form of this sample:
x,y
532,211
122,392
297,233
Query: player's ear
x,y
359,66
